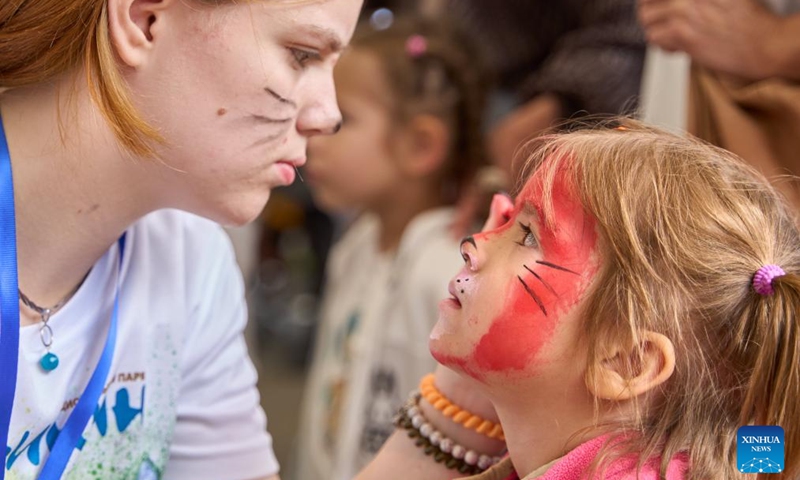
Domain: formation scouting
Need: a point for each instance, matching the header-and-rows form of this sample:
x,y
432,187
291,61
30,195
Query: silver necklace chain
x,y
45,332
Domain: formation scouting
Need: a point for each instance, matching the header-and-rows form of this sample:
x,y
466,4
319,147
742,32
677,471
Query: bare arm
x,y
524,123
400,458
786,48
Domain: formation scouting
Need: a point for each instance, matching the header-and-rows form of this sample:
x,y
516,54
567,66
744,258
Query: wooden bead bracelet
x,y
435,444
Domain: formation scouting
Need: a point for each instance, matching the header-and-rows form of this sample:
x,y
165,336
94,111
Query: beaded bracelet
x,y
443,449
459,415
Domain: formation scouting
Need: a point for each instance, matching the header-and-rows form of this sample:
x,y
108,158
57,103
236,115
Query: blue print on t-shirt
x,y
124,415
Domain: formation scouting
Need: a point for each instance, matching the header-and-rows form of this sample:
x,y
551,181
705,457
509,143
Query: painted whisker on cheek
x,y
269,120
547,285
557,267
279,98
533,295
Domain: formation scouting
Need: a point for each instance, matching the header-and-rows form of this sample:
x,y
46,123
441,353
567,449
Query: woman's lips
x,y
286,172
287,169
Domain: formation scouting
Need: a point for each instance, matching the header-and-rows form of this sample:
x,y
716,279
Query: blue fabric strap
x,y
71,433
9,298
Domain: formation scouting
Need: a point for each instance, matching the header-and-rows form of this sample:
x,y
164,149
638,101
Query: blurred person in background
x,y
553,60
412,99
739,88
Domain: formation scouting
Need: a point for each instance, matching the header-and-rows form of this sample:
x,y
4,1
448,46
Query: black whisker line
x,y
547,285
469,239
533,294
279,98
557,267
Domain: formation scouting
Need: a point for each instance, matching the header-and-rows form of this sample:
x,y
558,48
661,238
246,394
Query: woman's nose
x,y
322,115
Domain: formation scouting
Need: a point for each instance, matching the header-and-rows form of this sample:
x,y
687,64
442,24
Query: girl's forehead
x,y
548,194
530,197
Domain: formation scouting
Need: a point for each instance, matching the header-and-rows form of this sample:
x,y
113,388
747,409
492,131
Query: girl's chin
x,y
438,347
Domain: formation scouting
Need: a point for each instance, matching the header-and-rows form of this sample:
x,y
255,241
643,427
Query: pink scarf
x,y
575,463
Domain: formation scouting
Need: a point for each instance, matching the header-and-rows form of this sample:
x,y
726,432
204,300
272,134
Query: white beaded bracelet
x,y
434,440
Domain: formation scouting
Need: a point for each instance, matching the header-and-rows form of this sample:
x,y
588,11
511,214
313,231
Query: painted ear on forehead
x,y
500,212
625,373
134,25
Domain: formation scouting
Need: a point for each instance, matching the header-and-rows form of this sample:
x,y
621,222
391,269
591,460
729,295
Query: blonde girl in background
x,y
121,342
632,310
412,99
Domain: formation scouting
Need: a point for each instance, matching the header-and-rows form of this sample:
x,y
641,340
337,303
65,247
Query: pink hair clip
x,y
416,46
762,280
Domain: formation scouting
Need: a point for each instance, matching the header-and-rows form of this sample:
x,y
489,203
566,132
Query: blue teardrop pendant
x,y
49,362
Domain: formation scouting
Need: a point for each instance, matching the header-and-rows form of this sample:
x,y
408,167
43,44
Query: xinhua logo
x,y
759,449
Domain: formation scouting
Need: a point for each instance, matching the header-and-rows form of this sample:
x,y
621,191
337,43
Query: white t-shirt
x,y
181,400
372,347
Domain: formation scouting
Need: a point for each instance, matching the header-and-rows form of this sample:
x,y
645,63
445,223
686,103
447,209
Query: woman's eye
x,y
302,57
528,239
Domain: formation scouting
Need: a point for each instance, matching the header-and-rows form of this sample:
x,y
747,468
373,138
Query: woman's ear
x,y
623,374
427,143
130,27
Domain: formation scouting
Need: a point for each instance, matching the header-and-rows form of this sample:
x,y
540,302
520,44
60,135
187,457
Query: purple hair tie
x,y
416,46
762,280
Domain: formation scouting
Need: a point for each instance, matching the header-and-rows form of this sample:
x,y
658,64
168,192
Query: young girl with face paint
x,y
411,98
121,342
634,307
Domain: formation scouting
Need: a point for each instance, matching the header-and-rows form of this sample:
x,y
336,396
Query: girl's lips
x,y
450,303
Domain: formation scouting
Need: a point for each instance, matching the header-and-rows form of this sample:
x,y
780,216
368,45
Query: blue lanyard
x,y
70,434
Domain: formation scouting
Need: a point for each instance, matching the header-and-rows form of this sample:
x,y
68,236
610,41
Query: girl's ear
x,y
131,26
427,141
624,374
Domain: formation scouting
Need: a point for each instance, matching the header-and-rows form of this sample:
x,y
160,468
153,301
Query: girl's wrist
x,y
466,394
461,435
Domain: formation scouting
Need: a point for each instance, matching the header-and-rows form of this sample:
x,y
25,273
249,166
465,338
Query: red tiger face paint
x,y
518,283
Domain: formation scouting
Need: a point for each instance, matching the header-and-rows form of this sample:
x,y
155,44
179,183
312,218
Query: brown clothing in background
x,y
759,121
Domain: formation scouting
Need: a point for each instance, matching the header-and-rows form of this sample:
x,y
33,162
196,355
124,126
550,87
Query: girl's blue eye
x,y
528,239
302,57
